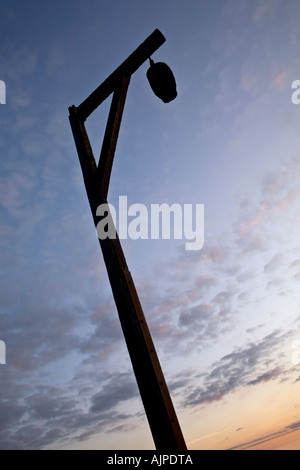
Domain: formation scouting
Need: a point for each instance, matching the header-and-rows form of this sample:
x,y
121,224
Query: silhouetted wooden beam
x,y
111,137
127,68
159,408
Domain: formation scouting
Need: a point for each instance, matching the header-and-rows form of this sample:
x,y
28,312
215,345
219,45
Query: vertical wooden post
x,y
162,418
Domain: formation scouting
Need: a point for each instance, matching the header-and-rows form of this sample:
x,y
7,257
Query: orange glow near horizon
x,y
261,419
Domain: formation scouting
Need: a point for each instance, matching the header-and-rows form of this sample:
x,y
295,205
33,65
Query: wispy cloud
x,y
242,368
269,437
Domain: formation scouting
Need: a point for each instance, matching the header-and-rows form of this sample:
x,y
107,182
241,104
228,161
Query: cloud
x,y
267,376
275,262
114,393
198,307
241,368
52,415
294,426
269,437
255,328
211,254
257,223
196,315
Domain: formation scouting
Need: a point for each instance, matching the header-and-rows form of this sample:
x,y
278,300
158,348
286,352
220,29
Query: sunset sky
x,y
226,319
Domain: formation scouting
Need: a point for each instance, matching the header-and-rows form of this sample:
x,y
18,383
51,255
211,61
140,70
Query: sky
x,y
224,319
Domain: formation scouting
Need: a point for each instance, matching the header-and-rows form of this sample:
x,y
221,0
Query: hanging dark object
x,y
162,81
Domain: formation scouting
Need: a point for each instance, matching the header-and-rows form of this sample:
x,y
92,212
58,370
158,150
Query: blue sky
x,y
223,319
